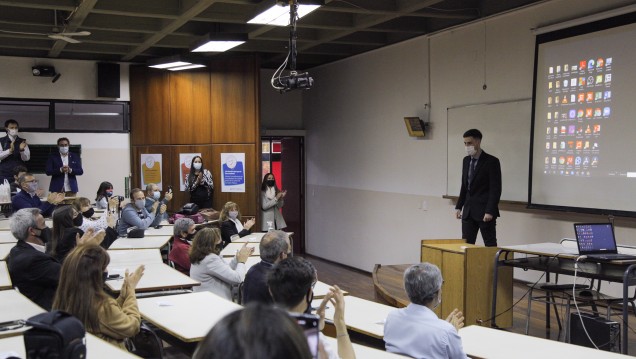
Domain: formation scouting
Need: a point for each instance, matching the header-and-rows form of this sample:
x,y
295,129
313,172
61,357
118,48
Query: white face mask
x,y
197,165
156,195
63,150
13,132
470,150
233,214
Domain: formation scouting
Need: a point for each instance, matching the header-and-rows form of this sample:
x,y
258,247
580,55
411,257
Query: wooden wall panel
x,y
149,106
190,116
166,170
181,198
234,102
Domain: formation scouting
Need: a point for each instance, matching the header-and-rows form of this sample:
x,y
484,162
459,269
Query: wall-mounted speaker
x,y
107,80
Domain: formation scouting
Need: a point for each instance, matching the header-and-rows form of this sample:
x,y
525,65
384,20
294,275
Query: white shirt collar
x,y
37,247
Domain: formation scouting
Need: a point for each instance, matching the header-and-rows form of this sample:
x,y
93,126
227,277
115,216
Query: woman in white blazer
x,y
214,273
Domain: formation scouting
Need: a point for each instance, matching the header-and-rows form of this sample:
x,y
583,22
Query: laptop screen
x,y
595,238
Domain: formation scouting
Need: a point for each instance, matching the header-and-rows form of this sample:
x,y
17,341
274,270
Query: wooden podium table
x,y
468,280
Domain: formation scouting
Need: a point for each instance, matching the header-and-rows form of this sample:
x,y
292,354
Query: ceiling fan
x,y
55,33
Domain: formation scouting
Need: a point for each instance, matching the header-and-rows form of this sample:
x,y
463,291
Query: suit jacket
x,y
228,229
485,189
53,165
255,286
34,273
24,200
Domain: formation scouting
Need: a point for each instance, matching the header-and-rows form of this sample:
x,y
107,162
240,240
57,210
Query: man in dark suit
x,y
14,151
35,273
274,247
63,167
478,203
28,197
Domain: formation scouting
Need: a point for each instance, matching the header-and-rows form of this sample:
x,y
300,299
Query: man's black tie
x,y
471,171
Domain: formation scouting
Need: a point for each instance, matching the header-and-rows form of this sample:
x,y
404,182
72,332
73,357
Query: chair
x,y
553,295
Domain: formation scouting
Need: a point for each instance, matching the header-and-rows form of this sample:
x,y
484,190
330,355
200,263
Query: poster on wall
x,y
185,160
151,164
232,172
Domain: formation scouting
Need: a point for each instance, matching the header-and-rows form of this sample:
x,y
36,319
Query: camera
x,y
295,81
120,198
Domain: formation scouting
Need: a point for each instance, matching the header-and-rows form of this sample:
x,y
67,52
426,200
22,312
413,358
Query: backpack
x,y
197,218
55,334
146,343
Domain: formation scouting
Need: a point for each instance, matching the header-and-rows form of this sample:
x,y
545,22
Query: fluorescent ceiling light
x,y
187,67
217,46
170,64
278,15
219,42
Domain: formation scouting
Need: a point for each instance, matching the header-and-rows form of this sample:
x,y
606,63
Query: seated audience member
x,y
28,198
416,330
153,195
255,332
136,215
291,284
105,221
230,219
274,247
105,198
17,172
33,272
81,293
214,273
66,233
182,240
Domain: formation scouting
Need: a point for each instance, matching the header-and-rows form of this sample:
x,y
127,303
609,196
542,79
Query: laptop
x,y
597,241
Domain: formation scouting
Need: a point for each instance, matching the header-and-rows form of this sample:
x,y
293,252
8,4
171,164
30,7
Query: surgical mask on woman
x,y
109,193
271,183
88,213
78,220
197,165
233,214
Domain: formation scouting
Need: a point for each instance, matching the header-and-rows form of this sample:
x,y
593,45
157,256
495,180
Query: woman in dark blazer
x,y
230,218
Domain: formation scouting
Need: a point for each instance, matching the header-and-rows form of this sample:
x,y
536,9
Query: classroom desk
x,y
231,249
15,306
4,224
157,276
362,316
7,237
5,248
560,259
251,238
149,242
5,278
364,352
321,289
483,342
163,231
132,258
95,348
188,317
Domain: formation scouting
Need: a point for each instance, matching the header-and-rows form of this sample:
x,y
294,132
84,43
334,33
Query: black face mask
x,y
78,220
271,183
104,277
189,236
309,299
89,213
45,234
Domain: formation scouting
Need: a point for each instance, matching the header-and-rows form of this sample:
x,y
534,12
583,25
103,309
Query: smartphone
x,y
169,188
309,323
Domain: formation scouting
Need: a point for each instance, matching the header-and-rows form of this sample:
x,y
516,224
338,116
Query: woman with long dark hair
x,y
67,234
272,200
199,183
81,293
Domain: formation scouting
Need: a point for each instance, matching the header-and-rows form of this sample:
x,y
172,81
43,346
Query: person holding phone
x,y
291,283
231,225
199,183
272,200
154,195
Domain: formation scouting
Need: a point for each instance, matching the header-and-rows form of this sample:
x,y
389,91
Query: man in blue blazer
x,y
478,203
63,167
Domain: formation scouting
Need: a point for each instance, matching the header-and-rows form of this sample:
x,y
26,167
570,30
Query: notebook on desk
x,y
597,241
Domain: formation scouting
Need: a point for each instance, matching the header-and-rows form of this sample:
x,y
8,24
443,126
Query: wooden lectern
x,y
468,273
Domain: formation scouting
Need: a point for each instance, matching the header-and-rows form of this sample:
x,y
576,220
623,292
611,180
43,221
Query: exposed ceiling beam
x,y
77,18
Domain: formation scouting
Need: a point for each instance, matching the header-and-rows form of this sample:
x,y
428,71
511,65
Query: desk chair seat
x,y
552,295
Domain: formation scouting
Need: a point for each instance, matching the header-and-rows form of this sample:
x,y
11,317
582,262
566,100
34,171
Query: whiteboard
x,y
506,135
